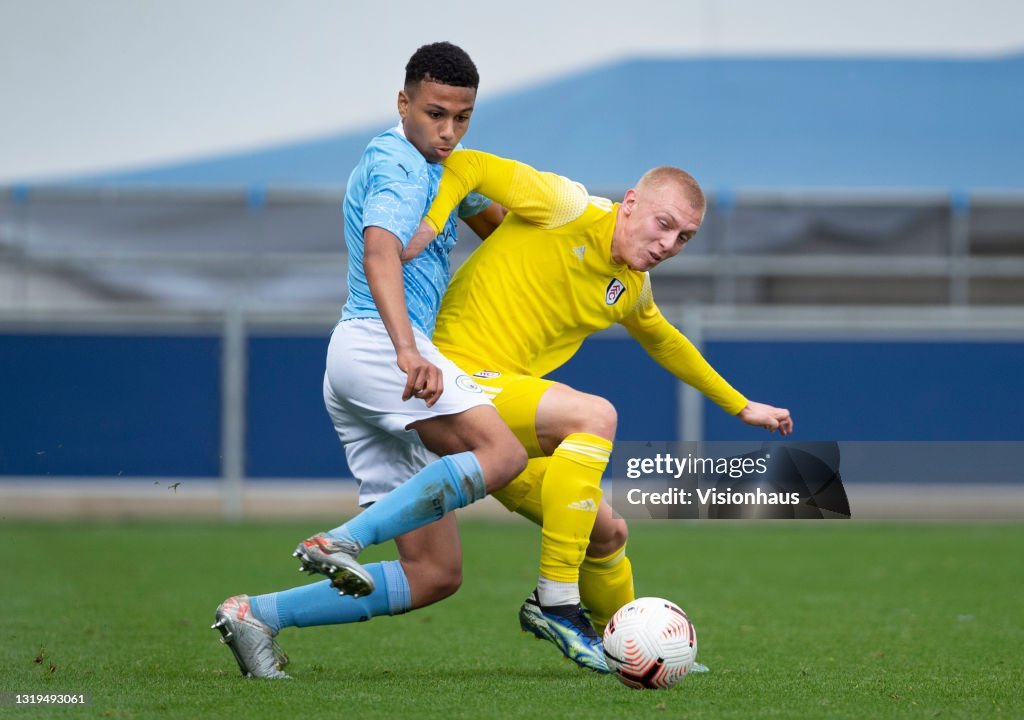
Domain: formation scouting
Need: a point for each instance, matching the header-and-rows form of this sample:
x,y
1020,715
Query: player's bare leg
x,y
479,455
429,570
432,559
481,431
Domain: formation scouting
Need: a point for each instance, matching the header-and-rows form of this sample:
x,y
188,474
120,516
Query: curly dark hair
x,y
444,63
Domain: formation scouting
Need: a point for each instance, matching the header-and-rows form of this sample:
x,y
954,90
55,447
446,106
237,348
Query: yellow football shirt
x,y
526,299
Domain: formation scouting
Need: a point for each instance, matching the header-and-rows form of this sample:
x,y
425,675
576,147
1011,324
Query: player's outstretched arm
x,y
674,352
768,417
483,224
540,198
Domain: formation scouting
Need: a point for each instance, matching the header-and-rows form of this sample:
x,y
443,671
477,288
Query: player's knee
x,y
608,538
517,458
599,417
502,462
445,584
432,583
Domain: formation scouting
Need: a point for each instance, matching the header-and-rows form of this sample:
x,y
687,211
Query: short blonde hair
x,y
657,178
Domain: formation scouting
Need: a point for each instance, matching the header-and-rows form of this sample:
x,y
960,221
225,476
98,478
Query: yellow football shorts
x,y
516,397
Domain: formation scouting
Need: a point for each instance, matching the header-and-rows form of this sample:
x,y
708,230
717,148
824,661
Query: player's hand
x,y
420,239
766,416
424,380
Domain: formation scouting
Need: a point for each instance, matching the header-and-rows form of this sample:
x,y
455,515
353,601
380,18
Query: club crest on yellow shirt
x,y
614,291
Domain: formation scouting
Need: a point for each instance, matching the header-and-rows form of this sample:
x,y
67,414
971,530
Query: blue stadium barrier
x,y
108,405
102,405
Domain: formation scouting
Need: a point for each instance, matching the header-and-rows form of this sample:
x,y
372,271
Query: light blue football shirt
x,y
392,188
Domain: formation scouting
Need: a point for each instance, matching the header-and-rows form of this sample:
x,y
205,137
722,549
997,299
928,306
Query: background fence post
x,y
959,248
233,377
691,401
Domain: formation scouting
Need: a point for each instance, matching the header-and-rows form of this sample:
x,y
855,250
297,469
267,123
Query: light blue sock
x,y
451,482
320,604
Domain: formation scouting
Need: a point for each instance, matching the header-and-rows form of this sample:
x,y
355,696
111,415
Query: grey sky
x,y
119,83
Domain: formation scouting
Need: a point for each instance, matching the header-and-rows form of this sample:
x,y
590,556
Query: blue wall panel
x,y
89,406
109,405
877,390
289,432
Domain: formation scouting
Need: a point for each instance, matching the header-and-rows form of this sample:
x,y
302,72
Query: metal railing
x,y
88,235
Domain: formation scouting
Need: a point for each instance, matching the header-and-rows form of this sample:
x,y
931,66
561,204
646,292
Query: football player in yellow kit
x,y
562,266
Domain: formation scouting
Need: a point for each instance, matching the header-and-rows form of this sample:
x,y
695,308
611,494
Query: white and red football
x,y
650,643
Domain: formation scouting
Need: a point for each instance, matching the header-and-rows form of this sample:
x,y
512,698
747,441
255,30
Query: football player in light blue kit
x,y
419,434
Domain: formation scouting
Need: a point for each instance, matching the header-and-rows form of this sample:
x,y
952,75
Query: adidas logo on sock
x,y
587,505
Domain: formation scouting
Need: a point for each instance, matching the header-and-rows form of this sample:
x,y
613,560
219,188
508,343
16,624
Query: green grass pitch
x,y
796,620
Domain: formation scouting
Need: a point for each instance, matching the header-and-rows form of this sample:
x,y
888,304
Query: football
x,y
650,643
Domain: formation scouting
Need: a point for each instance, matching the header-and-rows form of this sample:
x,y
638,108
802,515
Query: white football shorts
x,y
363,393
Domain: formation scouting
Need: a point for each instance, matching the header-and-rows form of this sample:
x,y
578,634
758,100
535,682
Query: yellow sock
x,y
606,584
569,497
